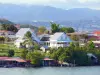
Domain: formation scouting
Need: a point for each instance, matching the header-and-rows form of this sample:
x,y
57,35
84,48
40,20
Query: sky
x,y
65,4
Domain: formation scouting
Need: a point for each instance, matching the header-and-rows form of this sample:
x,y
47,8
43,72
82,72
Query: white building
x,y
6,33
59,39
20,35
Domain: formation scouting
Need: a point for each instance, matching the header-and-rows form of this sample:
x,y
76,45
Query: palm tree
x,y
28,39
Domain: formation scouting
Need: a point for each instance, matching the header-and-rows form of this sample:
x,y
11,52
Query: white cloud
x,y
32,1
58,3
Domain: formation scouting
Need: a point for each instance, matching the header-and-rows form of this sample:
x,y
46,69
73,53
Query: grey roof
x,y
22,32
44,37
56,35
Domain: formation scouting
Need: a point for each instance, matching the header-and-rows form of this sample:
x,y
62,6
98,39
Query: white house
x,y
20,36
6,33
59,39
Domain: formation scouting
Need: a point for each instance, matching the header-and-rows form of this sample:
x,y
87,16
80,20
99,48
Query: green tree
x,y
70,30
67,30
42,29
11,53
2,39
75,37
63,57
28,35
29,40
9,27
79,57
55,27
23,53
35,57
36,46
91,46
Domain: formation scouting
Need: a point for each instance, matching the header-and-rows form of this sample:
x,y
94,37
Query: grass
x,y
4,48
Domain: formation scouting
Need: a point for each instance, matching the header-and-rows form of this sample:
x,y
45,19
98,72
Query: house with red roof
x,y
96,36
97,33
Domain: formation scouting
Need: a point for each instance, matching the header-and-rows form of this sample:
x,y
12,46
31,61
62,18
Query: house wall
x,y
62,41
19,38
17,44
59,44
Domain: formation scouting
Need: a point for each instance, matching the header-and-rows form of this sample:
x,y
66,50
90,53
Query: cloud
x,y
58,3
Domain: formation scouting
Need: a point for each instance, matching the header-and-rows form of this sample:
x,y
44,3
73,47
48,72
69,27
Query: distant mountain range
x,y
45,13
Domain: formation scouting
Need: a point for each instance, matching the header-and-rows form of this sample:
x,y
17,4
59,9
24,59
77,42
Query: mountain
x,y
20,13
5,21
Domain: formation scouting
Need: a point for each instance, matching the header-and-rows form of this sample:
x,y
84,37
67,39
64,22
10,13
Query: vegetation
x,y
67,30
10,53
75,37
29,26
73,54
2,39
41,30
35,57
8,27
56,28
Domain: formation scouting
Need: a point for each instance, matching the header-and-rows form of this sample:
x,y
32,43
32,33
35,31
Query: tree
x,y
36,46
2,39
35,57
67,30
70,30
23,53
11,53
91,46
79,57
55,27
29,41
75,37
63,57
28,35
8,27
42,29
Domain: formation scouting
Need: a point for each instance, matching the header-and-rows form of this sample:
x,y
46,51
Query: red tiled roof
x,y
3,31
12,59
3,58
47,59
97,32
15,59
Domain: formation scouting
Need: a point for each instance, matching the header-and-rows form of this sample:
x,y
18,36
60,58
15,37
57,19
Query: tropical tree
x,y
29,41
8,27
75,37
41,29
2,39
23,53
35,57
70,30
28,35
11,53
67,30
55,27
90,46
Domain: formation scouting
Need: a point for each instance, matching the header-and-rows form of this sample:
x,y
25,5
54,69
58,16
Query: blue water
x,y
51,71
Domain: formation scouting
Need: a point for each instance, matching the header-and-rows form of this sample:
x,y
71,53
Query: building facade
x,y
59,39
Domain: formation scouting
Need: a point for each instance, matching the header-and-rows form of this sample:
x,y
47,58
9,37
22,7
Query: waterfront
x,y
51,71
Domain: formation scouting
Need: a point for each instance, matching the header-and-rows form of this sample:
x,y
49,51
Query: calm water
x,y
51,71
